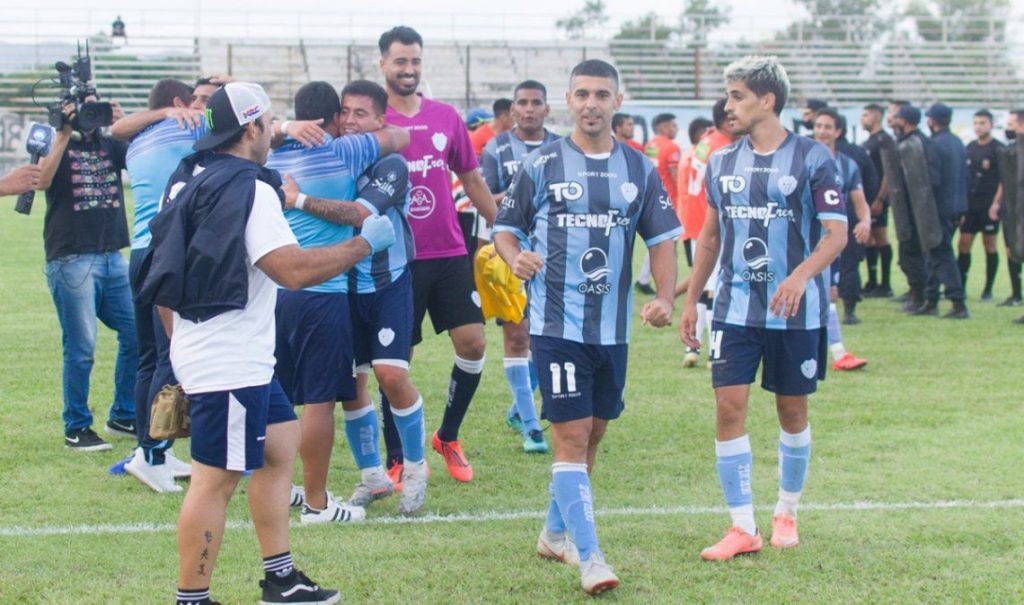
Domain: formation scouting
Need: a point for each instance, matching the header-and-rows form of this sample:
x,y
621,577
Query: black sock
x,y
991,266
963,260
461,388
193,596
885,252
392,440
849,308
871,254
1015,278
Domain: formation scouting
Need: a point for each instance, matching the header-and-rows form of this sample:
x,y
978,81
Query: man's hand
x,y
220,79
527,265
993,212
291,191
185,117
862,231
657,313
688,326
307,132
877,207
116,111
20,180
786,302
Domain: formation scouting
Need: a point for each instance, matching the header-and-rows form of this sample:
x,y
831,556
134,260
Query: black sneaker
x,y
926,310
644,288
121,428
881,292
1011,302
986,296
85,440
959,311
850,320
296,588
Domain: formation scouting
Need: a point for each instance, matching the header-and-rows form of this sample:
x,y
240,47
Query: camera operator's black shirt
x,y
85,202
983,173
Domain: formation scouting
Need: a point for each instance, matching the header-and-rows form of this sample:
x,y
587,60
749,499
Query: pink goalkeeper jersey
x,y
440,143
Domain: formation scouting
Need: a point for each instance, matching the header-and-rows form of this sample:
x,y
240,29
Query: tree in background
x,y
959,20
593,13
701,17
852,20
647,27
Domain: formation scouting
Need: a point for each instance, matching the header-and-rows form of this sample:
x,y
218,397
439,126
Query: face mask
x,y
1011,134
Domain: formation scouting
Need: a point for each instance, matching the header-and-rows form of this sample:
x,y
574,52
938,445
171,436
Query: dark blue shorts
x,y
314,347
579,380
229,428
382,325
793,361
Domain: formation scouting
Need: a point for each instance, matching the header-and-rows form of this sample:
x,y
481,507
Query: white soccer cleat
x,y
298,497
414,487
179,468
158,478
335,512
596,576
559,547
372,488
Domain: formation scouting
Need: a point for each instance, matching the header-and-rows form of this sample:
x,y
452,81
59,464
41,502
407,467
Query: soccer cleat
x,y
534,443
85,440
735,542
298,498
1011,302
376,489
121,428
849,362
784,531
514,422
927,309
414,481
959,311
691,358
157,477
395,474
451,451
337,512
117,468
296,588
596,576
559,547
179,468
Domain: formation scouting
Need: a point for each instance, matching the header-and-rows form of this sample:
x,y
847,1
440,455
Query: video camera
x,y
76,85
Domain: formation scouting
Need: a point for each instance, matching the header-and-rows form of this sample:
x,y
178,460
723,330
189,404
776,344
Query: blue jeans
x,y
86,287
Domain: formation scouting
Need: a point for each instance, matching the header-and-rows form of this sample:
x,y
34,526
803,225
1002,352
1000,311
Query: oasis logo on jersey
x,y
569,191
594,266
755,254
607,221
425,164
765,214
732,183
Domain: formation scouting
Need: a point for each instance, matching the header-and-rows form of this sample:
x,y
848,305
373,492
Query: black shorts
x,y
444,287
978,221
579,380
314,346
882,220
791,361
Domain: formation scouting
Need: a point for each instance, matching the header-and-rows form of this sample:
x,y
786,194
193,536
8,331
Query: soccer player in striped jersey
x,y
499,163
567,227
778,221
315,359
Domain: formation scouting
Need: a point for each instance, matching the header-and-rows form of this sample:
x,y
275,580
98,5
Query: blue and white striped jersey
x,y
384,189
152,157
848,180
770,208
581,214
502,156
330,172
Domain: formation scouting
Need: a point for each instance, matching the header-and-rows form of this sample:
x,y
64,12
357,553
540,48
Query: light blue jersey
x,y
770,208
152,157
502,156
328,171
848,180
582,214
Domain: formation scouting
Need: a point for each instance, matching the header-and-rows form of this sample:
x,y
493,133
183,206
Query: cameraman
x,y
84,228
21,179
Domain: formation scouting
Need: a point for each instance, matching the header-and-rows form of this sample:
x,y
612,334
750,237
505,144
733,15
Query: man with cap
x,y
220,242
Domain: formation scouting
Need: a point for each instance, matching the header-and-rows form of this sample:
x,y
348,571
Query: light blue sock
x,y
735,466
554,522
534,377
517,371
409,423
794,459
572,493
835,334
362,432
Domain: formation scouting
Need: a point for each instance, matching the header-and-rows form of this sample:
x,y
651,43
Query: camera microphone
x,y
38,143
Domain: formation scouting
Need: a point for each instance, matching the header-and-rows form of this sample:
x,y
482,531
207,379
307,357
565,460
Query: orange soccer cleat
x,y
451,451
735,542
849,362
784,531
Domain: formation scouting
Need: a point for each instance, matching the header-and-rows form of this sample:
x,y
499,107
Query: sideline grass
x,y
935,416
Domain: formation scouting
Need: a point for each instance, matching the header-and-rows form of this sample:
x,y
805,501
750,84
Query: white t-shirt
x,y
236,349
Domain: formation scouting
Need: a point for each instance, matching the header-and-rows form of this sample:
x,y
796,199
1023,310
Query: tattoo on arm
x,y
332,211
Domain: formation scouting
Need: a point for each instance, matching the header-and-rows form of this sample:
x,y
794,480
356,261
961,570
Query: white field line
x,y
151,528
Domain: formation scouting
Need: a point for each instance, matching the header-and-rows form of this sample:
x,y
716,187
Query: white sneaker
x,y
337,512
374,486
557,546
414,487
596,576
298,497
158,478
179,468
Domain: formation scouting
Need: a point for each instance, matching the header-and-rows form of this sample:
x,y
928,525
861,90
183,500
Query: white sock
x,y
788,501
373,474
838,350
743,518
702,321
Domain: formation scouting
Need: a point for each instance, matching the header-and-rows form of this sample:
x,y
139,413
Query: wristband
x,y
284,127
300,201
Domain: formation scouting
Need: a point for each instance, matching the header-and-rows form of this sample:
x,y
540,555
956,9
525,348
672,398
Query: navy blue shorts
x,y
229,428
793,361
579,380
382,325
314,346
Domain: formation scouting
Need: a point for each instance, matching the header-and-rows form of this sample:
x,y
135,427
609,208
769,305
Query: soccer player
x,y
1002,205
848,180
698,127
623,128
878,249
663,150
778,218
314,349
983,181
442,276
502,121
567,227
500,161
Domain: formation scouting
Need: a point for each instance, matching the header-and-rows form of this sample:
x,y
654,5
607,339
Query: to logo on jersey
x,y
566,192
759,213
421,202
732,183
629,192
787,184
755,254
439,140
511,167
594,266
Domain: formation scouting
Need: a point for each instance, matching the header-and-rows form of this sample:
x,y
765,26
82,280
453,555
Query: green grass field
x,y
932,423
